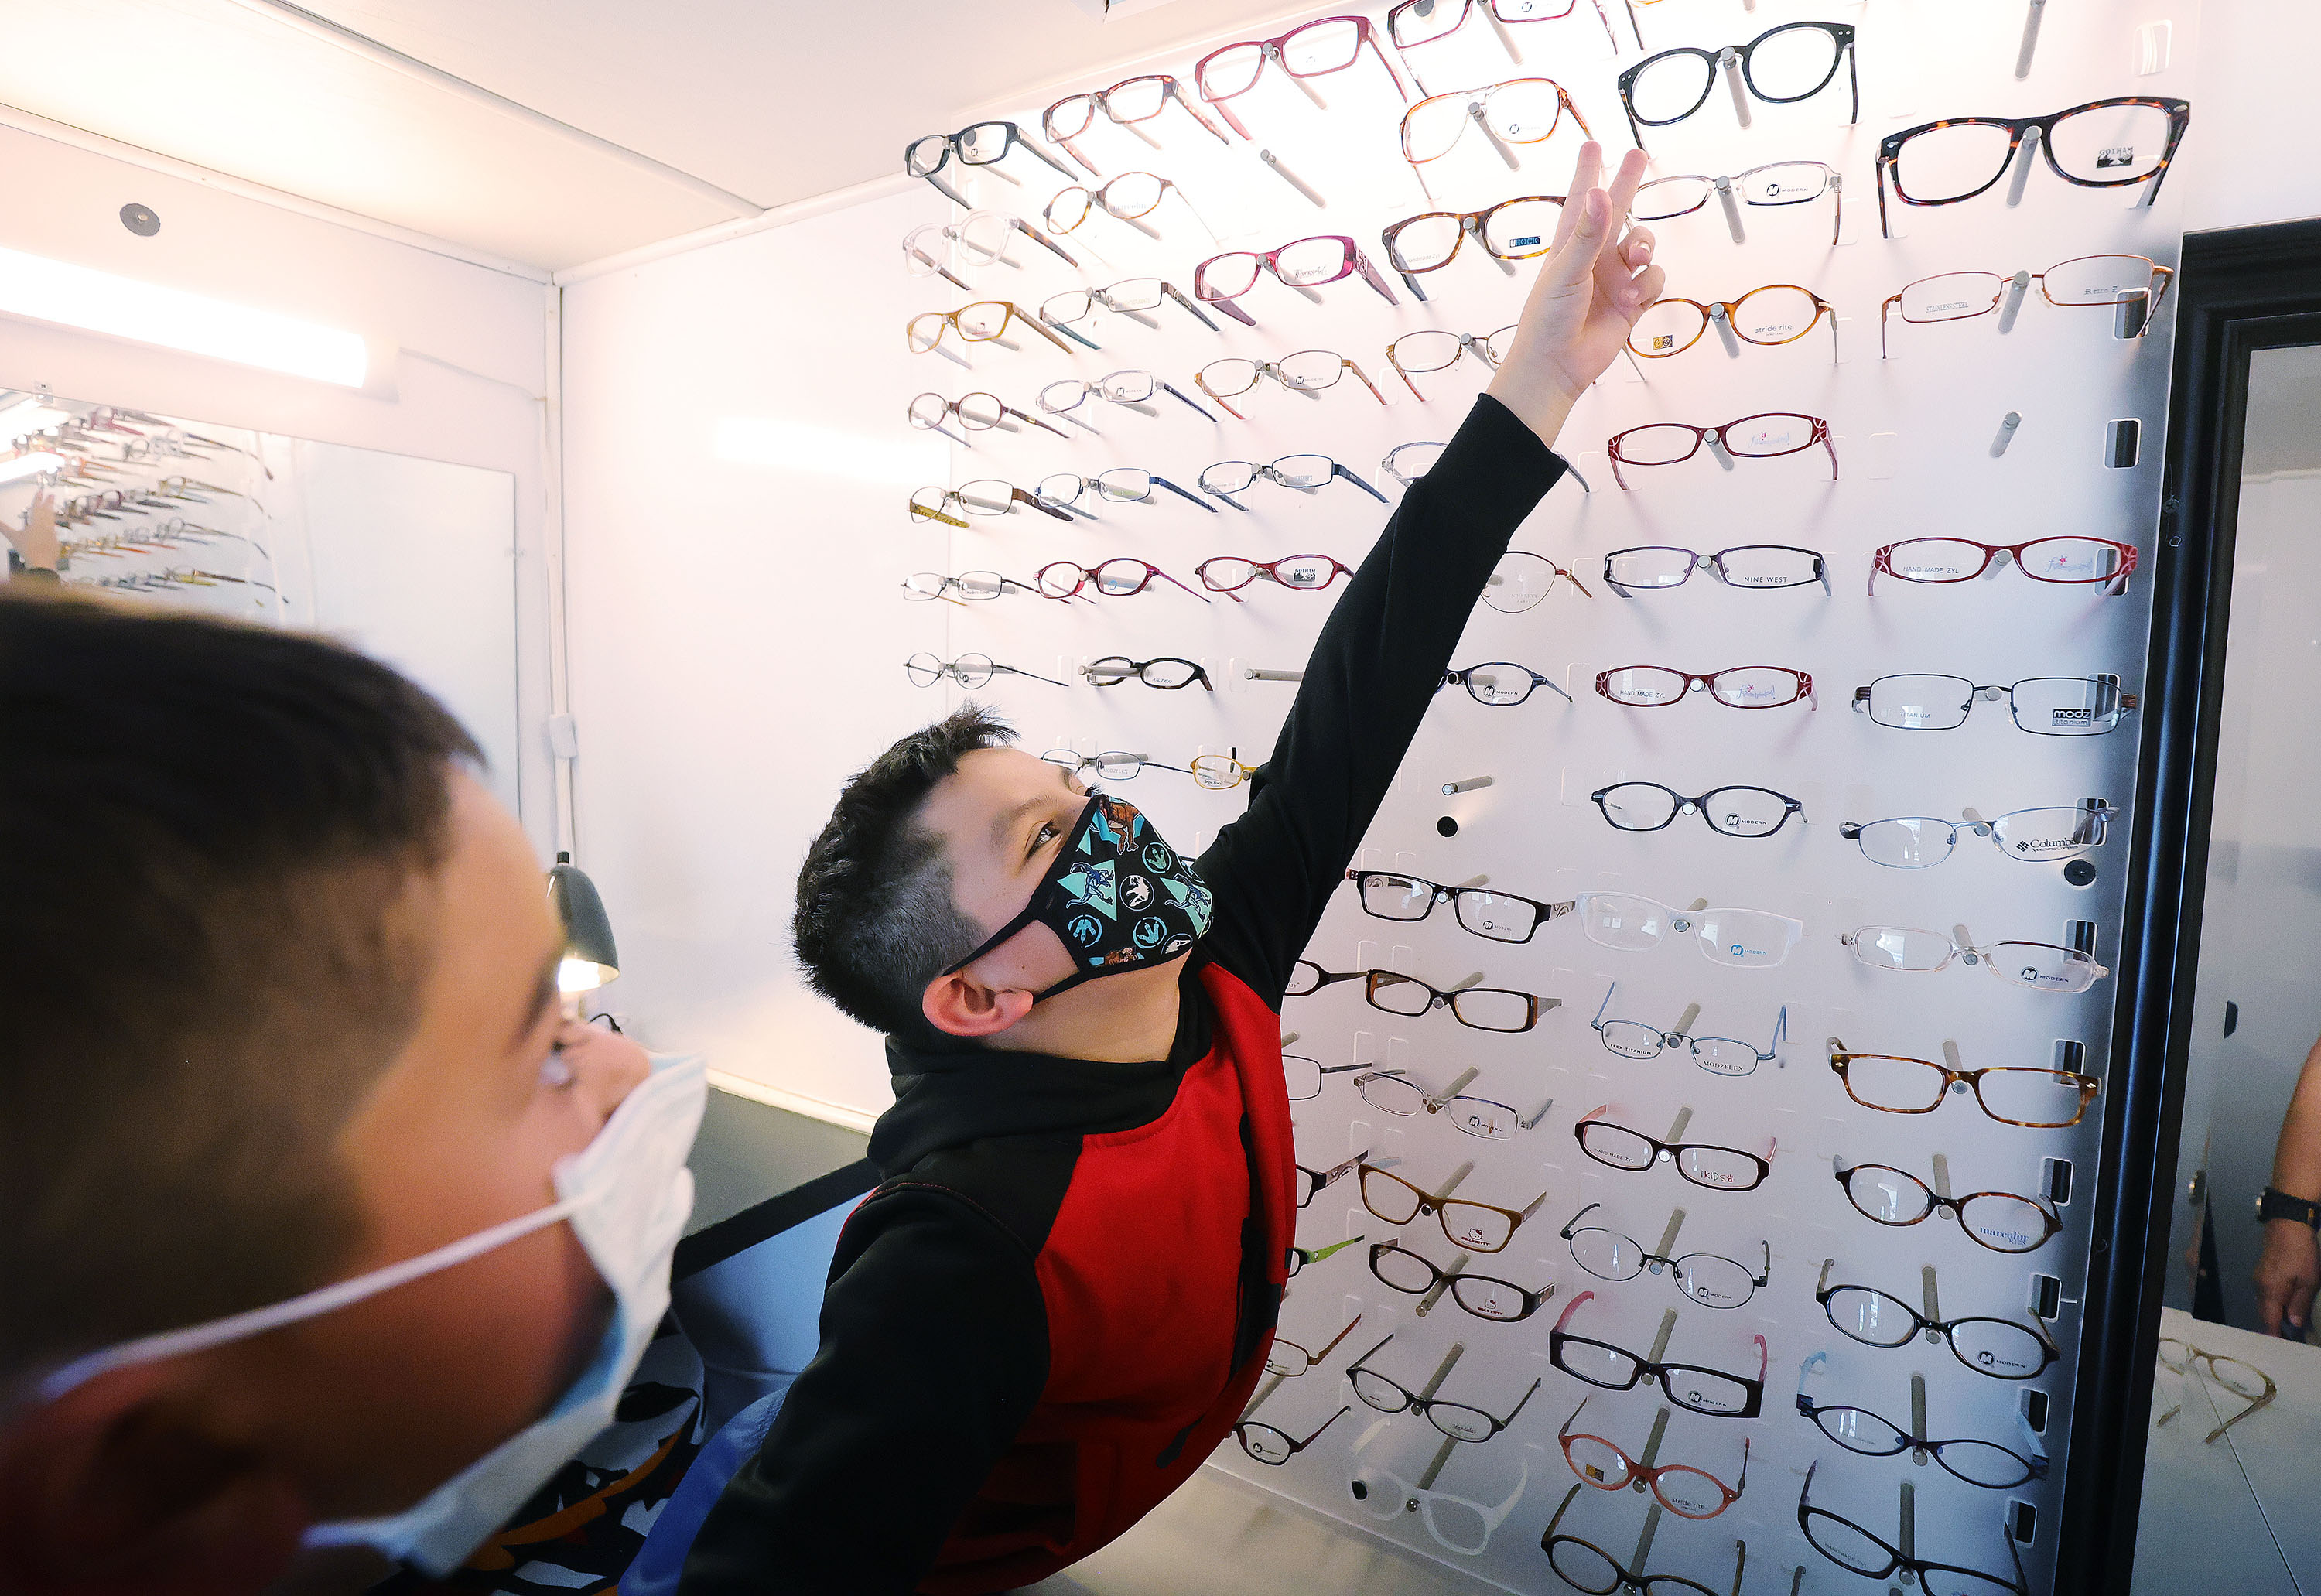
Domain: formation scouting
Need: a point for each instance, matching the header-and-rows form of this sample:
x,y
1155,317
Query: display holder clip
x,y
1426,1303
1731,211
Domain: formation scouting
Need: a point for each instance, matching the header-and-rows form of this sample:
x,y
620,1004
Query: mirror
x,y
411,561
2235,1409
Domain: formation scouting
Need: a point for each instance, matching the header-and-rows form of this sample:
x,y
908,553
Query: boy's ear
x,y
959,1005
120,1487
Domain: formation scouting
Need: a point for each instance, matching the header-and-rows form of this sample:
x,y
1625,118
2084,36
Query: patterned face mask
x,y
1117,897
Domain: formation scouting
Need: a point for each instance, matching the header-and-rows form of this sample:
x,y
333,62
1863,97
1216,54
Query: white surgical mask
x,y
627,1195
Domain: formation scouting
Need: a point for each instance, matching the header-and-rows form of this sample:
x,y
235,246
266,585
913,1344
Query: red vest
x,y
1142,1276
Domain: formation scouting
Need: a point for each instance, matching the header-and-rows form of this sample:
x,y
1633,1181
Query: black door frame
x,y
2243,289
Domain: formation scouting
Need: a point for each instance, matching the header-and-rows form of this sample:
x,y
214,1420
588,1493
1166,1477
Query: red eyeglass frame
x,y
1261,569
1651,1477
1702,434
1353,261
1707,681
1271,49
2115,584
1088,574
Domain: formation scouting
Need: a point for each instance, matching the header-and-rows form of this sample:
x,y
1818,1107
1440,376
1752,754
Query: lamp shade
x,y
590,957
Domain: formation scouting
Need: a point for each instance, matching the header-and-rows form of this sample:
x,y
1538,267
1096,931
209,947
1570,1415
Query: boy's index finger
x,y
1585,171
1626,181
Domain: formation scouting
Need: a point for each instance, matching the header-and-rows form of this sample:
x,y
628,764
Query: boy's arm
x,y
934,1348
1376,664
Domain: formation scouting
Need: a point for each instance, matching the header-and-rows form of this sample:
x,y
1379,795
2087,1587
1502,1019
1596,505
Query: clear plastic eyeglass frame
x,y
1728,1056
1748,938
1407,462
1118,766
1921,842
2184,1356
1778,183
2040,966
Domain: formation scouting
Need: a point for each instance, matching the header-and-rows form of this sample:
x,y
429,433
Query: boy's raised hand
x,y
1585,300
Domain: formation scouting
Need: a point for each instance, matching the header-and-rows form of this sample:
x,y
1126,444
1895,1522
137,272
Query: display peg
x,y
1918,1454
1434,1469
1464,981
1251,673
1729,59
2006,425
2031,17
1683,1026
1426,1303
1731,211
2023,165
1667,1237
1661,1341
2011,299
1264,1392
1482,880
1676,1127
1469,785
1475,110
1934,1303
1651,1450
1442,1371
1724,330
1909,1536
1274,163
1451,1185
1942,1177
1644,1540
1466,1079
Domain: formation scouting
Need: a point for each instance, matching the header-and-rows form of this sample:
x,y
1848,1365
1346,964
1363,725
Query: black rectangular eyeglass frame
x,y
1532,1301
1015,135
1314,1181
1646,1370
1412,1402
1922,1325
1807,1513
1240,1434
1841,35
1542,912
2033,1468
1376,980
1651,1584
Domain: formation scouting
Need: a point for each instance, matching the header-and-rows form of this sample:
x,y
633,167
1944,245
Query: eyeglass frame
x,y
1313,1359
1095,761
1664,1040
1444,893
1439,999
1103,296
1492,11
1271,472
1137,668
1100,99
958,671
1015,136
1464,677
1626,1578
2023,280
1713,565
1737,58
1955,1206
1469,223
1645,1369
1109,495
1571,1232
1424,1203
1469,343
1242,774
2101,813
1841,1057
2191,1352
1090,574
1271,49
1269,570
2034,1467
1300,1258
951,582
1273,369
1670,1153
1936,1328
950,323
1096,388
1697,682
1431,1105
1881,561
1699,805
1971,955
1477,99
1323,1179
1713,310
956,496
1412,1402
1890,147
1989,693
956,233
1914,1567
1353,263
953,408
1714,437
1649,1476
1288,1440
1532,1301
1409,1497
1833,183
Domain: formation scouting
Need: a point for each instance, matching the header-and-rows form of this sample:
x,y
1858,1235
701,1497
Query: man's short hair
x,y
216,847
876,921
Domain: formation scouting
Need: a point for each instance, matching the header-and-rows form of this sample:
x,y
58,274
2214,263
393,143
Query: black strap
x,y
738,1233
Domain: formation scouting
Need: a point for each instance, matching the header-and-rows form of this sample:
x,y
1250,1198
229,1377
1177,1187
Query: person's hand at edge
x,y
36,540
2287,1273
1585,300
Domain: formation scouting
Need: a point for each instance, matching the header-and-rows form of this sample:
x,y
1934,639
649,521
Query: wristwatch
x,y
2279,1205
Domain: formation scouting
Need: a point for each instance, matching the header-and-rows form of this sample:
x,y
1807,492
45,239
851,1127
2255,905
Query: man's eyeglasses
x,y
1719,1055
1311,1183
1462,1526
1586,1566
1522,579
1780,183
977,411
1921,842
1477,1226
1434,350
1133,296
1229,573
1733,811
1286,1357
1300,1258
1402,1270
1118,766
969,670
1222,772
982,322
1121,387
1267,1445
1413,22
1683,1489
1707,1279
1747,938
1122,485
1166,672
1129,197
1704,1164
1855,1549
1390,1091
982,144
1456,1420
1303,263
2000,1348
1765,436
1774,314
1738,686
1229,477
1690,1386
1986,1463
2065,560
1118,578
986,496
2245,1380
2047,705
1501,684
1780,66
927,585
1407,462
1315,49
2115,143
1127,102
1518,111
2102,280
1480,1008
937,249
1308,371
1503,916
1512,230
1999,1220
2012,1094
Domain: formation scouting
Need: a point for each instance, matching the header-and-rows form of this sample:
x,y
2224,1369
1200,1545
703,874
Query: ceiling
x,y
677,116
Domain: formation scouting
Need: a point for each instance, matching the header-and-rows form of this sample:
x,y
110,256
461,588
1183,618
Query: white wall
x,y
63,202
2249,153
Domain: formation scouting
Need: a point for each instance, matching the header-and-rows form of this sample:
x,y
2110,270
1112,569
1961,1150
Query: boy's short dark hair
x,y
216,842
875,919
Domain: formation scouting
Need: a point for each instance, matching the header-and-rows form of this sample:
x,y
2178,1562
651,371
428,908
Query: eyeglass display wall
x,y
1873,933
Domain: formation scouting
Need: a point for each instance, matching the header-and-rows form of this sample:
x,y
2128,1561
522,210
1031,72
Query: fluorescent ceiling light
x,y
29,465
44,290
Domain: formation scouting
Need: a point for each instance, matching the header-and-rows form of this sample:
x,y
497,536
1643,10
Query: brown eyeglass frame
x,y
1889,149
1270,49
1731,307
1100,99
1313,1359
1469,222
2166,275
1563,103
1702,434
1427,1202
1490,9
1015,313
1647,1475
2088,1086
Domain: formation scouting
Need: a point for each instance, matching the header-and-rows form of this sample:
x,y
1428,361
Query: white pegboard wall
x,y
1913,436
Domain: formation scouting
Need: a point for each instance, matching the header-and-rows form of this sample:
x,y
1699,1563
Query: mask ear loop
x,y
1031,910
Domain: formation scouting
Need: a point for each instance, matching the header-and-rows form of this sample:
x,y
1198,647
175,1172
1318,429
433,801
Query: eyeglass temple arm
x,y
1369,36
1176,91
1158,571
948,192
1011,670
1527,1396
1370,273
1172,290
1041,238
1535,1119
1066,172
1337,469
1326,1423
1204,414
1565,1318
